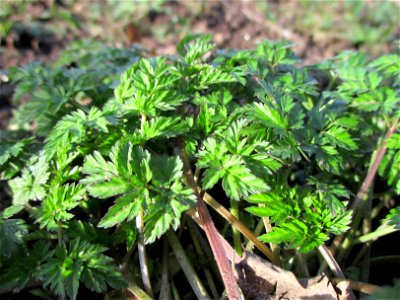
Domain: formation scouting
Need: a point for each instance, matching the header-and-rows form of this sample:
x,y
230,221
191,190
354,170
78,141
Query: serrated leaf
x,y
31,185
340,137
162,216
207,75
80,262
12,232
162,127
166,169
56,206
270,117
127,174
125,208
115,186
393,142
193,47
10,149
240,182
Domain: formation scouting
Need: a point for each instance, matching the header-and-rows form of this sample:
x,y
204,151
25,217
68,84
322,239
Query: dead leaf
x,y
260,279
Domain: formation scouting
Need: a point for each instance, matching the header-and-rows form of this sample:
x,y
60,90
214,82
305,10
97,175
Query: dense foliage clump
x,y
98,144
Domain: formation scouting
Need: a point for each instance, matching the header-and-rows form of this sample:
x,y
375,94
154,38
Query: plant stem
x,y
376,234
366,228
194,281
360,255
141,243
211,283
134,290
198,238
344,243
242,228
165,288
236,234
359,286
372,171
388,259
257,231
303,265
142,121
230,253
202,255
217,248
197,176
274,248
125,264
59,233
142,254
175,293
330,260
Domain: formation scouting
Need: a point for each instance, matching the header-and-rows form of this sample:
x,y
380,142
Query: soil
x,y
233,25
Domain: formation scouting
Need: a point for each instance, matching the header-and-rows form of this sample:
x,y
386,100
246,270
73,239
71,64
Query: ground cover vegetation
x,y
109,163
38,30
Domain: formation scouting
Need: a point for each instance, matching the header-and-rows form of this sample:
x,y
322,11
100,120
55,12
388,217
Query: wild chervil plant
x,y
113,148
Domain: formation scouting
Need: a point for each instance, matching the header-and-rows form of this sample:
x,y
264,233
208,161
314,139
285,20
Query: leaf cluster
x,y
98,145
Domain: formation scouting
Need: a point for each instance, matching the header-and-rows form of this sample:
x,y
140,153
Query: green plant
x,y
113,148
366,25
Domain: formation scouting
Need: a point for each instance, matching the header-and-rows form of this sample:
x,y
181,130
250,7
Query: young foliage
x,y
140,180
78,262
30,185
12,231
303,219
272,138
56,206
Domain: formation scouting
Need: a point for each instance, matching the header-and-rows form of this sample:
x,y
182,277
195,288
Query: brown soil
x,y
233,24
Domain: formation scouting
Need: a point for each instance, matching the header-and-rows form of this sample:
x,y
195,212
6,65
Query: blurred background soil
x,y
39,30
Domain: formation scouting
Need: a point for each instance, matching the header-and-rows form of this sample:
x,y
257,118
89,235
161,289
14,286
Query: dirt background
x,y
39,30
319,29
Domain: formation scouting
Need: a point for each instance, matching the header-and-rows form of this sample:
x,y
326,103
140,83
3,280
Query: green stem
x,y
142,121
376,210
165,288
366,265
190,273
260,226
211,283
125,264
175,293
134,290
142,254
222,211
388,259
274,248
59,232
360,255
331,82
376,234
236,234
197,175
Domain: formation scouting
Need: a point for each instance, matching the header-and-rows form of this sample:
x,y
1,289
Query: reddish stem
x,y
231,286
372,171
